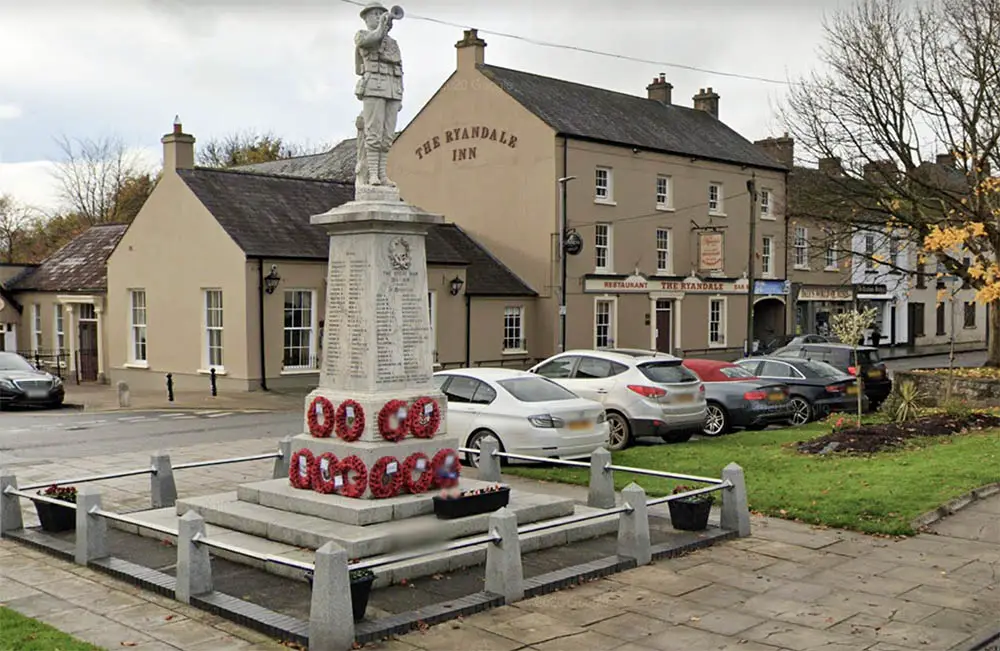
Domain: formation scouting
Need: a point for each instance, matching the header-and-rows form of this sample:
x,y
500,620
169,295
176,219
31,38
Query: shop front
x,y
815,306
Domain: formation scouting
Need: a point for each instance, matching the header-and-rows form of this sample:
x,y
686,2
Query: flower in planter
x,y
693,499
63,493
361,575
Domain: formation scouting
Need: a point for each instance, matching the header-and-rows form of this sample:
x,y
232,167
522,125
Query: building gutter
x,y
468,331
260,317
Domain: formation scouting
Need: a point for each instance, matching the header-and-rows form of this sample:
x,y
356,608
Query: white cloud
x,y
10,111
32,183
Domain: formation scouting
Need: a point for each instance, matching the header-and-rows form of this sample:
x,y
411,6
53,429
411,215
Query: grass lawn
x,y
877,494
20,633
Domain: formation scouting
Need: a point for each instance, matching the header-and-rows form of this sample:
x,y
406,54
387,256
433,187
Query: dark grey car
x,y
737,398
816,388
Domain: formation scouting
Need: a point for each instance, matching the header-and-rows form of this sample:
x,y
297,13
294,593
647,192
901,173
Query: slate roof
x,y
79,266
486,275
603,115
335,165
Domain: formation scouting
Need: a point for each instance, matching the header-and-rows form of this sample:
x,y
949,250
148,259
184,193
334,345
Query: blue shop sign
x,y
771,287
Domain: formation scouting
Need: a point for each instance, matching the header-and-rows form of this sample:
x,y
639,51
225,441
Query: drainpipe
x,y
468,331
260,316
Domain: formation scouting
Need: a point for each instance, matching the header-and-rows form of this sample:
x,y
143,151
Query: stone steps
x,y
308,531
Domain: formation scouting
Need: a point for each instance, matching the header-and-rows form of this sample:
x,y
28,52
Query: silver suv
x,y
644,393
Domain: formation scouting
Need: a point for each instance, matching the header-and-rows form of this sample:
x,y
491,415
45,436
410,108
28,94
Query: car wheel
x,y
619,431
716,420
802,411
476,443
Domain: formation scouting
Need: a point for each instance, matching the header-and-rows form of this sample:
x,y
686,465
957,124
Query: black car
x,y
876,382
816,389
22,385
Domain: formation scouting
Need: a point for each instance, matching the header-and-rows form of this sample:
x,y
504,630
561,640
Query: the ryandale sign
x,y
640,284
467,151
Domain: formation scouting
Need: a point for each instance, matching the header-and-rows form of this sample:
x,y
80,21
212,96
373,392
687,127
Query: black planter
x,y
689,516
361,589
466,505
56,518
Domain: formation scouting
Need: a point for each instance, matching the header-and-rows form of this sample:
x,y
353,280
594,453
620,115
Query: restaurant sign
x,y
640,284
826,293
711,252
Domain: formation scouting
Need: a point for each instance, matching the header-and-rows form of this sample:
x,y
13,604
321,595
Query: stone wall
x,y
934,387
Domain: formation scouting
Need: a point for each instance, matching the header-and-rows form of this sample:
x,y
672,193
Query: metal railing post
x,y
331,615
735,505
170,387
194,565
211,374
602,481
91,529
504,573
163,489
633,526
281,463
10,505
489,464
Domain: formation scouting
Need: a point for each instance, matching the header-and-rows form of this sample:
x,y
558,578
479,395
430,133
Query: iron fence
x,y
55,362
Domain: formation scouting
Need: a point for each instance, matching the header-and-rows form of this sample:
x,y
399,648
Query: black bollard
x,y
170,387
215,391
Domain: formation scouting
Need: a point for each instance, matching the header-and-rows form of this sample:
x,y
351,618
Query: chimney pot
x,y
663,76
707,101
178,148
660,90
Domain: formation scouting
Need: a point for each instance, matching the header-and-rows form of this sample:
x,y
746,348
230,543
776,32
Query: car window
x,y
461,389
735,372
819,370
868,357
667,372
12,362
749,365
484,394
440,380
557,368
777,369
535,389
593,368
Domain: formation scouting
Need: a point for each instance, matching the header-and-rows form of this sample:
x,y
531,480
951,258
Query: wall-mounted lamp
x,y
456,285
271,280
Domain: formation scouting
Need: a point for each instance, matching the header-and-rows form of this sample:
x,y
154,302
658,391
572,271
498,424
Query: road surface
x,y
937,361
33,437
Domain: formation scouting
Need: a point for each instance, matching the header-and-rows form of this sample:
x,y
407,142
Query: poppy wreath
x,y
384,483
356,488
426,477
385,428
324,482
300,469
424,418
351,411
446,474
316,428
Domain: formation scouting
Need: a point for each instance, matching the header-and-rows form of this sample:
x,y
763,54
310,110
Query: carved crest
x,y
399,254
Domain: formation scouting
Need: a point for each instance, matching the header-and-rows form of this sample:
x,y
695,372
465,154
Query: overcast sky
x,y
96,68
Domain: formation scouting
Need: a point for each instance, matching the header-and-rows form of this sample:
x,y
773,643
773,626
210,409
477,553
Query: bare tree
x,y
909,99
248,147
96,179
15,223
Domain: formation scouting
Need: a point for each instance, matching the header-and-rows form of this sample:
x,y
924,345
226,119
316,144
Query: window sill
x,y
664,272
800,267
219,370
971,327
831,268
767,276
716,214
598,271
136,365
605,202
512,353
296,371
718,345
768,218
663,208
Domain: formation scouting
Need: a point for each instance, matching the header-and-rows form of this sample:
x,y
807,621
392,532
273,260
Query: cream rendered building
x,y
659,200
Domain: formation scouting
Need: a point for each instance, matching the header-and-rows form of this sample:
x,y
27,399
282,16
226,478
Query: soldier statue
x,y
378,62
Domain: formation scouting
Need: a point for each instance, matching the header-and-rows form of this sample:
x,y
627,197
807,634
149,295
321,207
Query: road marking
x,y
225,413
184,417
133,419
16,431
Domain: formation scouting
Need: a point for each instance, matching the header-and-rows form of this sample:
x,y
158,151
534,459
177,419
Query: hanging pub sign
x,y
573,243
711,252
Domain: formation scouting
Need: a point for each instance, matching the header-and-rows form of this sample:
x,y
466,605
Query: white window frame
x,y
58,331
893,252
607,247
719,201
869,251
604,192
766,205
723,302
220,368
664,199
36,328
664,244
801,248
312,363
830,259
513,342
133,329
767,256
612,334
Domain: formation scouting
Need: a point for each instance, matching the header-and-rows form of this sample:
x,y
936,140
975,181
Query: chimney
x,y
879,171
660,89
946,160
178,148
780,149
471,50
707,101
832,166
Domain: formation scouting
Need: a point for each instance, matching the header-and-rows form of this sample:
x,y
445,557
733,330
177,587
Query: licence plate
x,y
579,424
684,397
776,397
36,393
874,374
852,390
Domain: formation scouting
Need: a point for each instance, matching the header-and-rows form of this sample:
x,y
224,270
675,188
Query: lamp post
x,y
562,260
752,190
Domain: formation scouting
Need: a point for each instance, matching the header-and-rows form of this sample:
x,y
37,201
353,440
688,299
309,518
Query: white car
x,y
525,413
645,393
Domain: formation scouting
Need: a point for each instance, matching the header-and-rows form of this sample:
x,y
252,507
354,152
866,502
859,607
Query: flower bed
x,y
876,438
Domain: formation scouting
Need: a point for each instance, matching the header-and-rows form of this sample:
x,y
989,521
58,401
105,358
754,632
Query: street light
x,y
562,260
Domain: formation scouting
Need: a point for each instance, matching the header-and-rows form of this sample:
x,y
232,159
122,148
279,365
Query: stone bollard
x,y
331,615
489,465
281,464
162,488
91,530
504,574
602,481
194,565
10,505
633,527
124,397
735,506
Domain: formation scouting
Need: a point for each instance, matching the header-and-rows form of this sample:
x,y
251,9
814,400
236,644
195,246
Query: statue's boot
x,y
373,168
382,175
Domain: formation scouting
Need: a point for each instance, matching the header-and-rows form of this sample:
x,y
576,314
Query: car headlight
x,y
602,417
56,381
546,420
7,384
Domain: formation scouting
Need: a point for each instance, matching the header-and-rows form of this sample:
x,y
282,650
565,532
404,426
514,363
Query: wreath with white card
x,y
418,462
386,478
300,469
320,406
324,477
350,420
424,418
393,411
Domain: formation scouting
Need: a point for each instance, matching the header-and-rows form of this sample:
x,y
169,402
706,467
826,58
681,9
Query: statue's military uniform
x,y
380,66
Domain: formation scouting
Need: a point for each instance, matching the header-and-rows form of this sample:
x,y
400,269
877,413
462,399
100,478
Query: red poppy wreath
x,y
393,410
320,406
356,487
386,479
418,462
350,420
447,468
324,473
300,468
424,418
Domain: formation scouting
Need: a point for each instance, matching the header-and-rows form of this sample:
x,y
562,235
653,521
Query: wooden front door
x,y
664,325
88,351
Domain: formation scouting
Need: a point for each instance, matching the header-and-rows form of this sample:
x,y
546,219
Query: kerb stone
x,y
735,506
331,616
504,573
602,481
282,463
91,530
162,488
194,565
633,527
10,505
489,465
